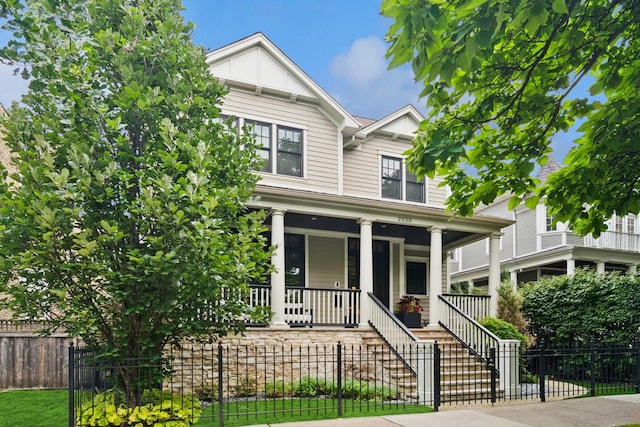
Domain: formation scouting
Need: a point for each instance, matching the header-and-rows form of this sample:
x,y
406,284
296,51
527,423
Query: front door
x,y
381,271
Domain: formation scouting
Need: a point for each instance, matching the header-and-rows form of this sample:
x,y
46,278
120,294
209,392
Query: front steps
x,y
463,378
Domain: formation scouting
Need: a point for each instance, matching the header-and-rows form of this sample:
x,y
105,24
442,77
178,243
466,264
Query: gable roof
x,y
257,64
401,124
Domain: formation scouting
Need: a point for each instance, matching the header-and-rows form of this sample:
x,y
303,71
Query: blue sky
x,y
338,43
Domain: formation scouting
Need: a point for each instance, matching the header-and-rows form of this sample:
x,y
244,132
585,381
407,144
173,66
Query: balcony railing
x,y
313,306
607,240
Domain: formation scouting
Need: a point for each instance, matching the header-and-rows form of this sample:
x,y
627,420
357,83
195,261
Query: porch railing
x,y
478,339
475,306
393,332
313,306
614,240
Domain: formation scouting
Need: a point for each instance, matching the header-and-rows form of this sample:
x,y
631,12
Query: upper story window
x,y
262,134
289,153
618,224
631,225
550,225
282,155
398,183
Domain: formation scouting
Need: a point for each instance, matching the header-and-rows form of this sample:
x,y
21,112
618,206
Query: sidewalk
x,y
584,412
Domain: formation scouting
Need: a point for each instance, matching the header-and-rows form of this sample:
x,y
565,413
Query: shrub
x,y
159,409
510,306
312,387
247,387
503,329
585,306
275,389
207,392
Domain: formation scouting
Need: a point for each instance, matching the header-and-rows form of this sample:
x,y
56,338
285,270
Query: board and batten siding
x,y
321,143
326,262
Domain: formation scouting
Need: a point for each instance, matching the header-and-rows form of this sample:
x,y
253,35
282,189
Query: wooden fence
x,y
28,360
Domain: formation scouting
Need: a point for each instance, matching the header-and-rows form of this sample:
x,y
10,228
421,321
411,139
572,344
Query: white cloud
x,y
12,87
363,85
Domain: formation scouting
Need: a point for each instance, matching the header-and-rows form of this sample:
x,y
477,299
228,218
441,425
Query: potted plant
x,y
408,311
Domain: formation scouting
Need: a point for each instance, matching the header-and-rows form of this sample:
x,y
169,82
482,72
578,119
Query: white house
x,y
533,247
346,215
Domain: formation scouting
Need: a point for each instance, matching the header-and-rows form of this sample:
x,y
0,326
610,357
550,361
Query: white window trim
x,y
403,178
410,258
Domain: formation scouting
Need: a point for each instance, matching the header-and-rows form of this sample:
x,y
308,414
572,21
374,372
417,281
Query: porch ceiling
x,y
412,235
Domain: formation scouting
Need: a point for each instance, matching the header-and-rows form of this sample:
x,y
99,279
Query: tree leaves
x,y
500,80
127,222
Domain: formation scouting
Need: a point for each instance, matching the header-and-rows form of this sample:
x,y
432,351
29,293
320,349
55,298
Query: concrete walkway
x,y
585,412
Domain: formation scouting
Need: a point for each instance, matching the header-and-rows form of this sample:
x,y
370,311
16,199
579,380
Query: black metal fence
x,y
243,384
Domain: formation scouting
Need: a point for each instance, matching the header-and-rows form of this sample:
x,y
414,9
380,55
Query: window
x,y
262,133
294,255
393,175
289,153
416,277
550,225
631,225
618,224
391,178
415,188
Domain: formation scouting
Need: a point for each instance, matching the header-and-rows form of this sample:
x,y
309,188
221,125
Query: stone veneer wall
x,y
267,355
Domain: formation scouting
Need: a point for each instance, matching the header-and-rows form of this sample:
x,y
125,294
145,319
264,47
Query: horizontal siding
x,y
321,149
436,196
326,262
474,255
526,232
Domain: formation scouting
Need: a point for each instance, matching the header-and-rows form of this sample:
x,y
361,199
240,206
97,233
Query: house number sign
x,y
404,219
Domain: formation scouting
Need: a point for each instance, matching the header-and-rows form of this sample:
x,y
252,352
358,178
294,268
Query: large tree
x,y
125,221
500,78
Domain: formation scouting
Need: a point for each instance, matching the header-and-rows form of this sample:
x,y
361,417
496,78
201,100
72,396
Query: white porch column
x,y
277,276
366,268
600,267
513,274
435,275
494,272
571,266
632,268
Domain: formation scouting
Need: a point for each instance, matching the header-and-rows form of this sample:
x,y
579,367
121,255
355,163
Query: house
x,y
347,217
533,247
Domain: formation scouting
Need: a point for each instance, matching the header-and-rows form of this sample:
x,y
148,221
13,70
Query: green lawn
x,y
48,408
282,411
42,408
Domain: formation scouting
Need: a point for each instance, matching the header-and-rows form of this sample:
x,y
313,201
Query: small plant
x,y
246,387
503,330
408,304
312,387
277,389
159,408
207,392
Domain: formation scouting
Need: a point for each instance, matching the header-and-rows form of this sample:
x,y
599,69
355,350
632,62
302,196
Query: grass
x,y
282,411
49,408
43,408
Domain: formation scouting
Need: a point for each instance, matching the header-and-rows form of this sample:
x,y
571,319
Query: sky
x,y
338,43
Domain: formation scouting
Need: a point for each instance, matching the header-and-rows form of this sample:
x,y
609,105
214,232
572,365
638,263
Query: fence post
x,y
70,386
636,347
592,368
492,367
436,376
508,365
426,371
542,369
339,369
220,384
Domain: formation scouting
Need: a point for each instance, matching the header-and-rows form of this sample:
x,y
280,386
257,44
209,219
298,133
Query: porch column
x,y
571,266
366,268
513,274
494,272
435,275
600,267
632,268
278,275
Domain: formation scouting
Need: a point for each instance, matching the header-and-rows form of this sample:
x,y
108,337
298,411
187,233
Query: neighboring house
x,y
347,217
533,247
